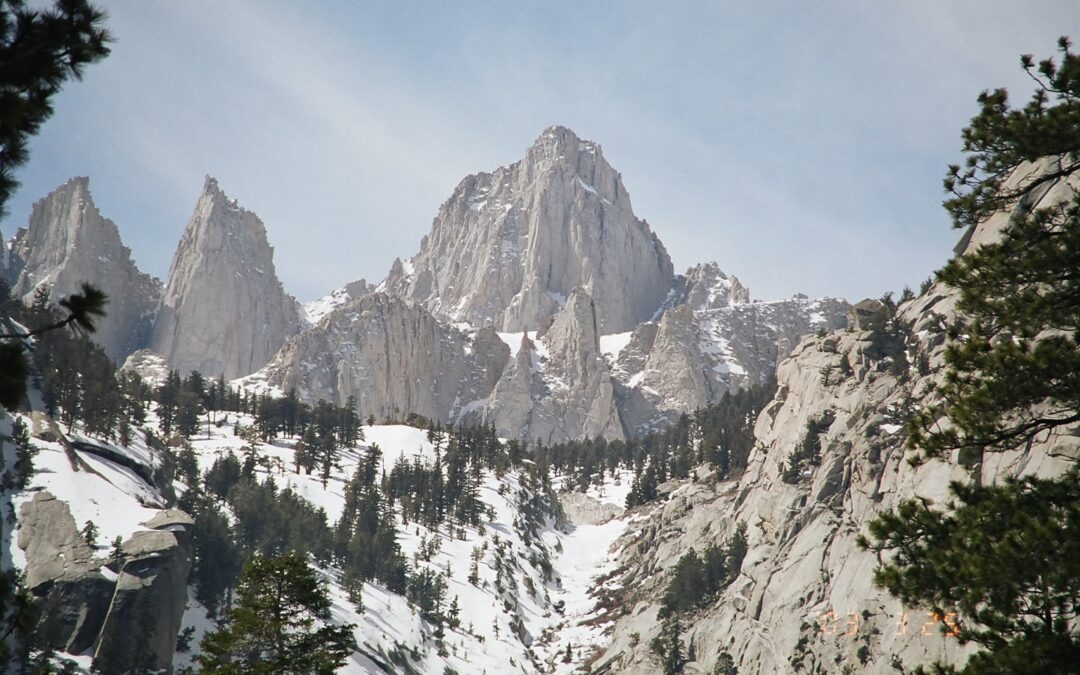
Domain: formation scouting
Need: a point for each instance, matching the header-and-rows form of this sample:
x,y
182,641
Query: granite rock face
x,y
705,286
149,366
559,387
224,310
710,340
508,247
393,356
548,253
805,599
67,243
139,633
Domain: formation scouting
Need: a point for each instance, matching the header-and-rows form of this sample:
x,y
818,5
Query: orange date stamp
x,y
850,624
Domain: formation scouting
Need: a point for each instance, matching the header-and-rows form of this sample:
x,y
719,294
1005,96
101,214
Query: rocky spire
x,y
509,247
67,243
224,309
561,388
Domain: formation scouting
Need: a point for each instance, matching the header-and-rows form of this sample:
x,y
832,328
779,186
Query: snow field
x,y
118,501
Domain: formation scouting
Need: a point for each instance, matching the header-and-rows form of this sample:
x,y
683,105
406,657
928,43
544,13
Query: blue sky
x,y
799,145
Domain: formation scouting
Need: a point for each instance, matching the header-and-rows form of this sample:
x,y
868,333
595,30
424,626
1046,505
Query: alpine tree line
x,y
720,435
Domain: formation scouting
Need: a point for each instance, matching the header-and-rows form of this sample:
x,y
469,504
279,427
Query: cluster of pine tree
x,y
720,435
78,381
268,521
808,454
698,578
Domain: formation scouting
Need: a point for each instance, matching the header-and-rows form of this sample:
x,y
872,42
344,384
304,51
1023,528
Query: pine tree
x,y
668,646
89,533
1016,373
1005,557
118,553
725,665
24,454
275,625
217,558
40,50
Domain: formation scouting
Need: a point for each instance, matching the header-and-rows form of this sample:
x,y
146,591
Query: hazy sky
x,y
801,145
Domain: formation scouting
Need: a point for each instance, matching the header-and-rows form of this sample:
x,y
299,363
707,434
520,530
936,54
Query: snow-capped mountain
x,y
548,571
549,248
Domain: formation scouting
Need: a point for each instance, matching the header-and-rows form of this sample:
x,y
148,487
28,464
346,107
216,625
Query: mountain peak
x,y
508,247
210,186
77,183
559,136
224,310
68,242
559,146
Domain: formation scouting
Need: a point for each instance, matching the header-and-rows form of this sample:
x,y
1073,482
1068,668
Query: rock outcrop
x,y
393,356
705,286
68,243
139,633
315,310
149,366
129,617
548,252
224,310
710,340
559,388
508,247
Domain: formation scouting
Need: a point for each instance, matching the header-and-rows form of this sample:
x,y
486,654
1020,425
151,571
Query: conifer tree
x,y
275,626
668,646
1016,373
89,533
1004,557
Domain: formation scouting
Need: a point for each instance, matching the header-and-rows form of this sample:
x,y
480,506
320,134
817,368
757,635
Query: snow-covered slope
x,y
517,618
89,593
390,631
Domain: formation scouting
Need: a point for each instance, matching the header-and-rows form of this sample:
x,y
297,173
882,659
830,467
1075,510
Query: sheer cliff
x,y
805,599
224,310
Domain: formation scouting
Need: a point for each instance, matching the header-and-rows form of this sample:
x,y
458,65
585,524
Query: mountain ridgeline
x,y
538,303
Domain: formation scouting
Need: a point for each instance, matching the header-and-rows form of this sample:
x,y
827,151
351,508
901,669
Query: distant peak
x,y
212,189
76,188
76,185
210,186
560,136
79,181
560,132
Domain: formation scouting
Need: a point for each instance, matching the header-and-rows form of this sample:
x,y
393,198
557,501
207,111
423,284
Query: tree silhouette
x,y
39,50
83,309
